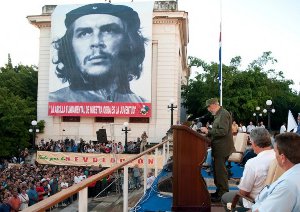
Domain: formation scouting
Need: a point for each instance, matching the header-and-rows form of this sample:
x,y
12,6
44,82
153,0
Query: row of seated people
x,y
264,185
23,185
69,145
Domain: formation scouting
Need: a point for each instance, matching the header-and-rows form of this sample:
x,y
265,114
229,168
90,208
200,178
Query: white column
x,y
145,172
164,153
83,200
155,162
168,150
125,190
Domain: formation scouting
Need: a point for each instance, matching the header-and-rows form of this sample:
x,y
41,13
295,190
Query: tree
x,y
243,90
14,116
18,94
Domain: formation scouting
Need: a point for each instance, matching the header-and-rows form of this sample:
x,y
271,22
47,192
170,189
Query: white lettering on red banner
x,y
99,109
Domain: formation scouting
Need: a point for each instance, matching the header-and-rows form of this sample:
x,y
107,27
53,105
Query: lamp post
x,y
33,130
62,137
172,107
256,114
269,110
126,130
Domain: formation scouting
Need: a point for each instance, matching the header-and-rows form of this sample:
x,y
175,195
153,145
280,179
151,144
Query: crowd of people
x,y
70,145
23,185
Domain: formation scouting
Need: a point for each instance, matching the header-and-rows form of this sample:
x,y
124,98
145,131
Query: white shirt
x,y
64,185
282,129
24,201
250,128
82,177
150,180
282,195
77,179
194,127
242,129
255,174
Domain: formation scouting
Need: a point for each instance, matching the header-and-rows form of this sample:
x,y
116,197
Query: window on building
x,y
71,118
105,119
138,120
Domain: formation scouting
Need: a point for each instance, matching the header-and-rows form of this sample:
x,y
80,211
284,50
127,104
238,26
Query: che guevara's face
x,y
97,40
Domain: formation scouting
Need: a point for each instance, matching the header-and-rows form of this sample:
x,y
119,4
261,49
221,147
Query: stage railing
x,y
82,187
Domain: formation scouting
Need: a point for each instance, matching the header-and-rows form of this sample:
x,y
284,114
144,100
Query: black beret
x,y
123,12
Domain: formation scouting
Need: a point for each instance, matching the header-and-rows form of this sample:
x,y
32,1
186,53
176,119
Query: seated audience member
x,y
256,168
250,127
242,128
234,128
249,153
283,194
150,179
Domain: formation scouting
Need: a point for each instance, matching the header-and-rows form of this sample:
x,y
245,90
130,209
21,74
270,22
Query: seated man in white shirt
x,y
256,169
283,194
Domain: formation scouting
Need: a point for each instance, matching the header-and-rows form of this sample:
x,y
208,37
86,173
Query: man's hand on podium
x,y
204,130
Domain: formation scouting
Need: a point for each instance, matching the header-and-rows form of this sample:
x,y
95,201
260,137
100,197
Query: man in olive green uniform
x,y
221,144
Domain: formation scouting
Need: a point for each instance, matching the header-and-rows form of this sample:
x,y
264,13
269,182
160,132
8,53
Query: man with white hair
x,y
256,169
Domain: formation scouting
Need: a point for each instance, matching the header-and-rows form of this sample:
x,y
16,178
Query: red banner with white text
x,y
102,109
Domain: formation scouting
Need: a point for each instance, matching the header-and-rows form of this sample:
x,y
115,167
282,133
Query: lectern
x,y
189,188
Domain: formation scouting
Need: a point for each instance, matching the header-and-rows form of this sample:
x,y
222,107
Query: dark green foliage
x,y
243,90
18,95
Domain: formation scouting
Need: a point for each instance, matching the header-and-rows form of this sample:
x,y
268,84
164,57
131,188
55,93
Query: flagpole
x,y
220,59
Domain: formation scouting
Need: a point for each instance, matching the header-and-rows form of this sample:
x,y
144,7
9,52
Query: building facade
x,y
169,72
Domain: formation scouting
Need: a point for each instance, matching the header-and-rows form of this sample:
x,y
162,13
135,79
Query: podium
x,y
189,188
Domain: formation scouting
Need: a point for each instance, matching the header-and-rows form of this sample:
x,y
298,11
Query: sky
x,y
249,28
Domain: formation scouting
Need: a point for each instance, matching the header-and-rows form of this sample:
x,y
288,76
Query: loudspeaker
x,y
101,136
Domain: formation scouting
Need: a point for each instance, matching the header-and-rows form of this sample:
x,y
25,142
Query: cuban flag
x,y
220,65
